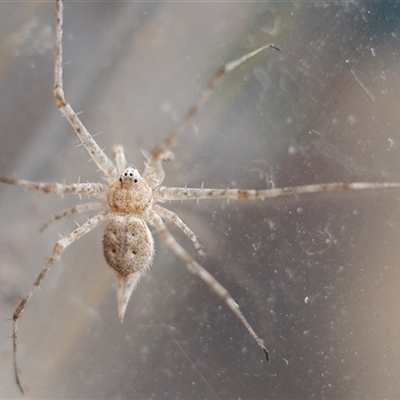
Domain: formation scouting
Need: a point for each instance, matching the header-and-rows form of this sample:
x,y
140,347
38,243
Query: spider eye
x,y
131,174
135,180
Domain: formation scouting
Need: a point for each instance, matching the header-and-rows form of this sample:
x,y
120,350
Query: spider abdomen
x,y
128,244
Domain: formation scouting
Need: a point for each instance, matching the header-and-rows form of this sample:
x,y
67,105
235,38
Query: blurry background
x,y
317,276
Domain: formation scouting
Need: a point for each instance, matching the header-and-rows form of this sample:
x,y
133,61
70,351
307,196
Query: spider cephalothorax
x,y
130,194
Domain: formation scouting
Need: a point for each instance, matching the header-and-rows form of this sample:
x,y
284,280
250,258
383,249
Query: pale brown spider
x,y
129,202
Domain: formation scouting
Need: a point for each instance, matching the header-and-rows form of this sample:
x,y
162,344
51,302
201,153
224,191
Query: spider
x,y
129,202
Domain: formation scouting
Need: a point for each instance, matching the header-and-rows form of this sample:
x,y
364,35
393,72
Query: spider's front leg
x,y
154,173
202,98
97,154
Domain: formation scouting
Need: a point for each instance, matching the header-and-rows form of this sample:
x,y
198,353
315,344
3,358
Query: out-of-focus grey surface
x,y
317,276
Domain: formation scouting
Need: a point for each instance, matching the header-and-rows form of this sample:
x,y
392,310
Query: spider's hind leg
x,y
59,247
207,278
172,217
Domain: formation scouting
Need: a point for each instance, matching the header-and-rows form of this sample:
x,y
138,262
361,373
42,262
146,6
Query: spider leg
x,y
169,141
200,271
154,173
120,159
59,247
79,208
172,217
170,193
97,154
88,189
